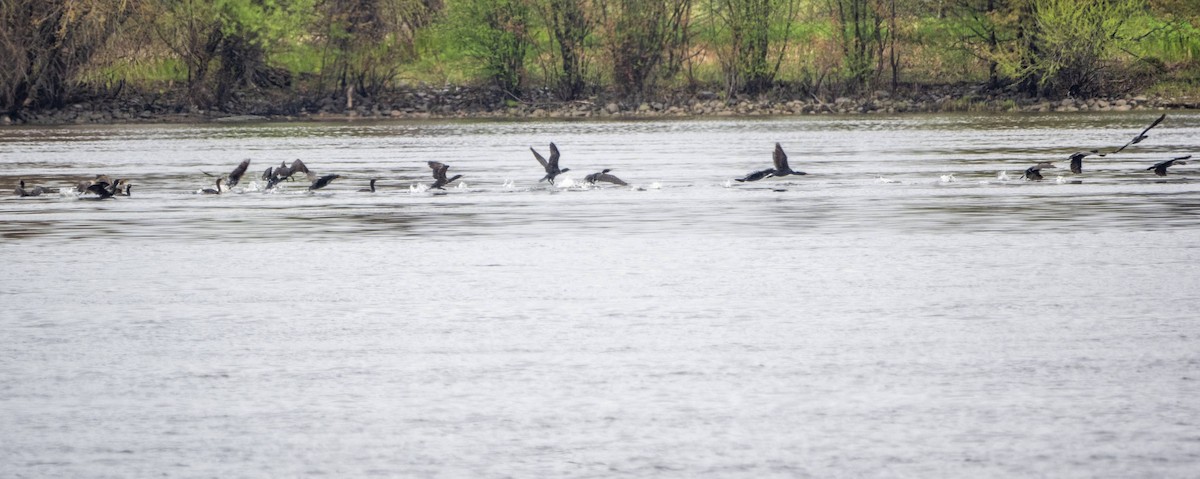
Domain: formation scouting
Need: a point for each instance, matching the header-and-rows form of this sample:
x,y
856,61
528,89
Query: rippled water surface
x,y
902,310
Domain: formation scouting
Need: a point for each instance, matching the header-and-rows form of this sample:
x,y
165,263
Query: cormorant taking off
x,y
371,189
237,173
551,166
1077,160
105,189
439,173
282,172
1034,172
1160,169
1142,136
322,181
210,191
604,176
781,163
758,175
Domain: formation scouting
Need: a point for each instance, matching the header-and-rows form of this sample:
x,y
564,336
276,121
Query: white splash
x,y
462,185
728,184
1002,176
253,186
565,182
1060,180
417,188
880,179
655,186
509,184
948,178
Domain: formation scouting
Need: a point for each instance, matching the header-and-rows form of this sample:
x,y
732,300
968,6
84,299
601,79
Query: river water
x,y
903,310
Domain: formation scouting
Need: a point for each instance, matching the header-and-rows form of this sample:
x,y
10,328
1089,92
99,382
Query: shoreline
x,y
476,103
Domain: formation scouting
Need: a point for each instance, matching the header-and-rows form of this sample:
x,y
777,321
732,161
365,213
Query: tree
x,y
569,25
47,43
495,34
642,36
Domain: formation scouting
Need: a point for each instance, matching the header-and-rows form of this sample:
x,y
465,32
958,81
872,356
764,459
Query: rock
x,y
706,95
841,100
1122,102
657,105
644,107
5,120
1122,108
612,107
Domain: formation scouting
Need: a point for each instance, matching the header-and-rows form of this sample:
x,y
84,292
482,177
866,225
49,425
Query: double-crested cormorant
x,y
35,191
758,175
1077,160
604,176
237,173
210,191
322,181
439,174
781,167
371,189
274,175
781,163
1142,136
551,166
1160,169
1034,172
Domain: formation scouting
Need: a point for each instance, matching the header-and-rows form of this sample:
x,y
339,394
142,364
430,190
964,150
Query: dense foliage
x,y
210,53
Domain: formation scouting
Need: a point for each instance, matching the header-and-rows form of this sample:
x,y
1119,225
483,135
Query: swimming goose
x,y
1160,169
604,176
439,174
1142,136
551,166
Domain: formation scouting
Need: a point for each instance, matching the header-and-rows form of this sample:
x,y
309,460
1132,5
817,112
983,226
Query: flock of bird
x,y
105,187
1035,172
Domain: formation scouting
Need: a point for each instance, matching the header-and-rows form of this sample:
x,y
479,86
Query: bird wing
x,y
1181,158
540,159
610,178
553,155
1152,125
780,158
439,169
237,173
299,166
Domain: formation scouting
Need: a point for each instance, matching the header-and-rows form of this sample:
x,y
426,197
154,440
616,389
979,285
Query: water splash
x,y
1002,176
948,178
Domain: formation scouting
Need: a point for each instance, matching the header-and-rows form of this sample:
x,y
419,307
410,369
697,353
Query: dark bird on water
x,y
781,163
1034,173
371,189
439,175
105,189
604,176
1142,136
1160,169
211,191
550,165
1077,160
21,191
322,182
